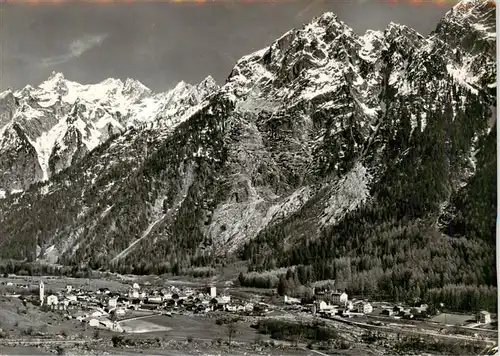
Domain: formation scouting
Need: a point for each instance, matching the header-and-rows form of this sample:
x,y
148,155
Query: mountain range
x,y
348,155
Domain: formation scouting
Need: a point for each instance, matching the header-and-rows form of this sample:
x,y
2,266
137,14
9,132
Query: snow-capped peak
x,y
5,93
208,82
465,5
62,119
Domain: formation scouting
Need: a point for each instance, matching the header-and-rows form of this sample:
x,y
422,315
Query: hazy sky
x,y
161,43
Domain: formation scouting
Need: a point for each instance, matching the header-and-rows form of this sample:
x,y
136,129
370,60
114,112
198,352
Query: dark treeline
x,y
39,269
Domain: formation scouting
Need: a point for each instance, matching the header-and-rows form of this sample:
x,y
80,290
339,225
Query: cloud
x,y
76,49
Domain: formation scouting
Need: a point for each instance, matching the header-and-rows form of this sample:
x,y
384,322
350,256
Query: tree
x,y
241,278
282,286
117,340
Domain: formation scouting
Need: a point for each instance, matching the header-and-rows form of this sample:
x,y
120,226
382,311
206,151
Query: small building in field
x,y
483,317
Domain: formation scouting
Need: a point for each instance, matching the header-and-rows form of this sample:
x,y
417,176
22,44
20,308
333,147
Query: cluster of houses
x,y
404,312
104,308
328,303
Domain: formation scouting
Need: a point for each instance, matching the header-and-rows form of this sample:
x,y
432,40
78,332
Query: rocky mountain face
x,y
46,129
315,146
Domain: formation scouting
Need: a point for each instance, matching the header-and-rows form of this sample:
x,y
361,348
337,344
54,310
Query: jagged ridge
x,y
61,121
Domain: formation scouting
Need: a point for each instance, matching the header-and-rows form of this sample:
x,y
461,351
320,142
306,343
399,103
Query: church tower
x,y
42,292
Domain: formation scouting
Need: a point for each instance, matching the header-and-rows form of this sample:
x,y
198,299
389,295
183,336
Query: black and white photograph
x,y
248,177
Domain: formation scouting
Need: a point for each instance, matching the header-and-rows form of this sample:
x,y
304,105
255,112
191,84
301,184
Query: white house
x,y
69,289
155,299
133,293
484,317
136,286
52,300
339,298
71,298
112,302
94,322
224,299
108,324
365,308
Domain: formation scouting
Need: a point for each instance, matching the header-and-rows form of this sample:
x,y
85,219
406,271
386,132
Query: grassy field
x,y
198,328
454,319
140,326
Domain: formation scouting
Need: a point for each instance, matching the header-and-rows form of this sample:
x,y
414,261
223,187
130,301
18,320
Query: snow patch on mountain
x,y
372,44
44,145
463,76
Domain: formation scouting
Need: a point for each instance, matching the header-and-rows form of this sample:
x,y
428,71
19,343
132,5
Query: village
x,y
159,309
105,308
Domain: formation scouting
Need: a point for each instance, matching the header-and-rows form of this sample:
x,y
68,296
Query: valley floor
x,y
27,329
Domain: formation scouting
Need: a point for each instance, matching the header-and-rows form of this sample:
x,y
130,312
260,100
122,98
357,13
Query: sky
x,y
161,42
